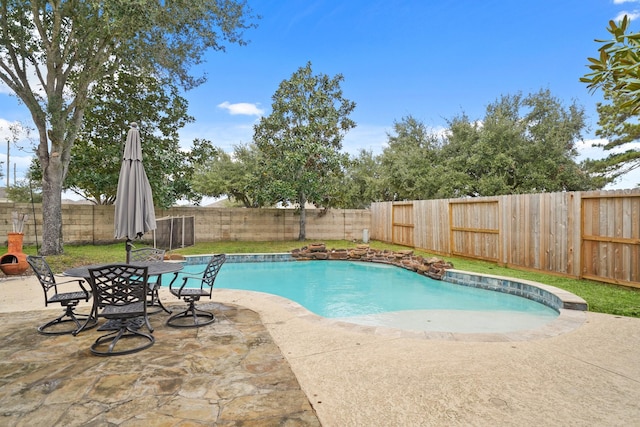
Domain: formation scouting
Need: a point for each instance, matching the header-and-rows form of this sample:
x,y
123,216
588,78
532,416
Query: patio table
x,y
155,268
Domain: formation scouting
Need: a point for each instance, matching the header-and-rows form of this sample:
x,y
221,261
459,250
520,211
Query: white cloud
x,y
630,15
20,150
590,149
625,1
595,145
15,132
588,143
242,108
222,135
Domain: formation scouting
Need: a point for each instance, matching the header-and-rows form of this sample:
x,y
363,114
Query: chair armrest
x,y
80,283
185,279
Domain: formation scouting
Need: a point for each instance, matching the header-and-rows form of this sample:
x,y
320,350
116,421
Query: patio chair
x,y
120,296
154,284
147,254
69,300
193,317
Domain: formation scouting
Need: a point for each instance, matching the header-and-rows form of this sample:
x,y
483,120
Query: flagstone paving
x,y
229,373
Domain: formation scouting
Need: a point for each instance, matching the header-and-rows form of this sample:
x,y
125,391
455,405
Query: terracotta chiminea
x,y
15,261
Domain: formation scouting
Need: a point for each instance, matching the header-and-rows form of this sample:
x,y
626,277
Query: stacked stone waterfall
x,y
432,267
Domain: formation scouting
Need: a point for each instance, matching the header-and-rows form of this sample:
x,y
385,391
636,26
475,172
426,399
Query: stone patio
x,y
581,370
229,373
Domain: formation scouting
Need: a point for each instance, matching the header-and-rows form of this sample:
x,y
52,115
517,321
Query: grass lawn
x,y
601,297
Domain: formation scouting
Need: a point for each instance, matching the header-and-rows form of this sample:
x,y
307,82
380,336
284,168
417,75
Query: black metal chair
x,y
151,255
120,296
68,300
147,254
193,317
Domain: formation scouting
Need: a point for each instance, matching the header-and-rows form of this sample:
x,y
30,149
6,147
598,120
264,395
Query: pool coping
x,y
550,296
571,308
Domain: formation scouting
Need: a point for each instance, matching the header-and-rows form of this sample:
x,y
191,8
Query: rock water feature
x,y
432,267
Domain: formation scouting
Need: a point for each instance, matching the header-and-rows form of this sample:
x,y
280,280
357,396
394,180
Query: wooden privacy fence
x,y
594,235
402,214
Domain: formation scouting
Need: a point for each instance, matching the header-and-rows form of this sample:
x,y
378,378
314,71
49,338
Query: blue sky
x,y
431,59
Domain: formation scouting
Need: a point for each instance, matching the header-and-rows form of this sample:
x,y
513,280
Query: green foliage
x,y
24,192
362,183
618,127
132,95
616,72
300,142
523,145
69,46
234,176
409,165
616,67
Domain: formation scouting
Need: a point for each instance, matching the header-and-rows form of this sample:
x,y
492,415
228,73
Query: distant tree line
x,y
523,144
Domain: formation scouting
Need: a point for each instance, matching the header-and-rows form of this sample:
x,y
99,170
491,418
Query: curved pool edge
x,y
571,308
550,296
276,310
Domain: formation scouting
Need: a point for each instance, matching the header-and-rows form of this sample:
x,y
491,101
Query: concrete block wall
x,y
93,224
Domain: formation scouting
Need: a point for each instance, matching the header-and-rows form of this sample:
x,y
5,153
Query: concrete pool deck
x,y
587,372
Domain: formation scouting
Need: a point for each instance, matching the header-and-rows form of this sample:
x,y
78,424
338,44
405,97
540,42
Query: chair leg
x,y
155,301
68,316
126,331
90,322
196,314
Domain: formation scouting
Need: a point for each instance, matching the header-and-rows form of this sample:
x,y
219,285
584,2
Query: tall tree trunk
x,y
302,235
52,242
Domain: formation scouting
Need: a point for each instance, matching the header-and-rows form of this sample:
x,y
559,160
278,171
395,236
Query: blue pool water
x,y
384,295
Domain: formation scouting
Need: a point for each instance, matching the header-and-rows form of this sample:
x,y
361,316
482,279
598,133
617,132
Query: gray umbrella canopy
x,y
134,214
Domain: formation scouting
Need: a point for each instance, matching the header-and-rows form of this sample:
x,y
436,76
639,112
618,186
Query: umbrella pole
x,y
128,246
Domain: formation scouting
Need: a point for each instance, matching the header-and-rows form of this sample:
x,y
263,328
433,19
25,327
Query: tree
x,y
523,145
194,160
618,127
616,68
24,191
300,141
130,96
463,170
68,46
363,182
409,161
617,73
233,176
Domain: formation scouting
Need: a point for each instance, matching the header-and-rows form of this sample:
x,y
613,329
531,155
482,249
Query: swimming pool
x,y
385,295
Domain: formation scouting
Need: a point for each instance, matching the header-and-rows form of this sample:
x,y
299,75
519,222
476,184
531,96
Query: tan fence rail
x,y
94,224
593,235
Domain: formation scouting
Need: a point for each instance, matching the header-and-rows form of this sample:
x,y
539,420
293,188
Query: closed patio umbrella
x,y
134,214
